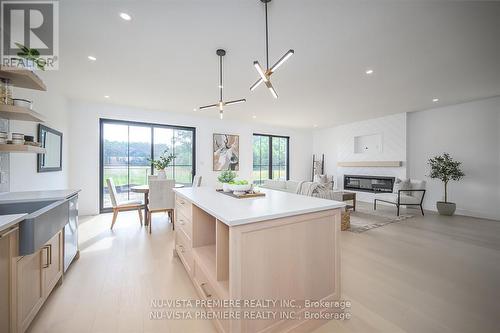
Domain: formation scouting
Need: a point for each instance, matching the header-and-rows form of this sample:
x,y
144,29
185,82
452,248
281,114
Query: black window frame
x,y
103,121
270,159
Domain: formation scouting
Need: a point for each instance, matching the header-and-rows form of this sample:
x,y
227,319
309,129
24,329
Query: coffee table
x,y
346,196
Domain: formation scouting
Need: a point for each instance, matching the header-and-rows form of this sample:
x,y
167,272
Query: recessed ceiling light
x,y
369,71
106,96
315,125
92,58
125,16
435,100
195,109
254,117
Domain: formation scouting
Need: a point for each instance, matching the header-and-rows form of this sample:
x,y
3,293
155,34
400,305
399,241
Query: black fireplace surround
x,y
369,183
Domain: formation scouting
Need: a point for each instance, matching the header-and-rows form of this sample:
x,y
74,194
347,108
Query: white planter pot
x,y
226,187
162,174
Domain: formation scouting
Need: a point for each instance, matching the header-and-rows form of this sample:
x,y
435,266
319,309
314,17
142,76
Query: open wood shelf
x,y
22,78
10,148
205,257
19,113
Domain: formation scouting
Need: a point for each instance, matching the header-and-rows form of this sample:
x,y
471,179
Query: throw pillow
x,y
402,184
322,179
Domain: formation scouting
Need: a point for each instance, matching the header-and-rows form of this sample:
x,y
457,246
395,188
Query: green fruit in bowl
x,y
239,182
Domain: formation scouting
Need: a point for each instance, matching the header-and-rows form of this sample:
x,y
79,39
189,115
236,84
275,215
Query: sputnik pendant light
x,y
265,75
221,104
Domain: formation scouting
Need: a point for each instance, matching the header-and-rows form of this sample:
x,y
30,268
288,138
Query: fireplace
x,y
368,183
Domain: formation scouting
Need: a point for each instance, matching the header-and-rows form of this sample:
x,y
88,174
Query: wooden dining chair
x,y
196,181
161,199
124,205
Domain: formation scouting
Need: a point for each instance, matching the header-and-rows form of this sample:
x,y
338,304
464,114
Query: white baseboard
x,y
477,214
459,211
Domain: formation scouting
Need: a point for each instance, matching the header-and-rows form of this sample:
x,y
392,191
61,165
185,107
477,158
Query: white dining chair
x,y
196,181
122,206
161,199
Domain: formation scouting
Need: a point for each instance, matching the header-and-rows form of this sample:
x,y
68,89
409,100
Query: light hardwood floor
x,y
426,274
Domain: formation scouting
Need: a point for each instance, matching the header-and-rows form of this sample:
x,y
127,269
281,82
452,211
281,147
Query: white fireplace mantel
x,y
357,164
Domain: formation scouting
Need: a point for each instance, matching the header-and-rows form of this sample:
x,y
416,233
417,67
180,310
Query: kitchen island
x,y
282,247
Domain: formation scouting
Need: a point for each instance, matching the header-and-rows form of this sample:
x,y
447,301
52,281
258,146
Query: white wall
x,y
23,175
84,128
470,132
337,144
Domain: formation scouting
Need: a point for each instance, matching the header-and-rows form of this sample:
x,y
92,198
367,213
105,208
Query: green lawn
x,y
276,174
139,174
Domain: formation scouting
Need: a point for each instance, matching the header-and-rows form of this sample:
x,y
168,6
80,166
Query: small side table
x,y
346,196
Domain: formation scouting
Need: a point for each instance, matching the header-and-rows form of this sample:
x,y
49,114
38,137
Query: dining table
x,y
144,189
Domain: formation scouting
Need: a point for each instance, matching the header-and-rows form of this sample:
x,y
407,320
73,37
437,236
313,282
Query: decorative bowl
x,y
23,103
240,188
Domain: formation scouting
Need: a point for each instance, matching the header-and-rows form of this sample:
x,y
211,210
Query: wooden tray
x,y
244,196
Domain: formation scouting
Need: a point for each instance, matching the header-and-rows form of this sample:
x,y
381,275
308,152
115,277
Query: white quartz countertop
x,y
234,211
6,221
31,196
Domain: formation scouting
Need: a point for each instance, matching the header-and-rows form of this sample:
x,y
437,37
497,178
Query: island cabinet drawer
x,y
207,291
205,287
184,250
183,206
184,224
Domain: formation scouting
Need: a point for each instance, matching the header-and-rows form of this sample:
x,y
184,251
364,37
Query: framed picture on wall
x,y
52,141
226,152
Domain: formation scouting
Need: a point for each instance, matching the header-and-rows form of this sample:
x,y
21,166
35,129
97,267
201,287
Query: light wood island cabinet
x,y
279,247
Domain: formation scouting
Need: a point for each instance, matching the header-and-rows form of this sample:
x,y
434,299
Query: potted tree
x,y
162,163
225,178
445,168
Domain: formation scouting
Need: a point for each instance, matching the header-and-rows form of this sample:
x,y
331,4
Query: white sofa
x,y
413,195
281,185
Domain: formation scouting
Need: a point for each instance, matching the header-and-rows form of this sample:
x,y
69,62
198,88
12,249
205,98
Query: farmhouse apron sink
x,y
44,220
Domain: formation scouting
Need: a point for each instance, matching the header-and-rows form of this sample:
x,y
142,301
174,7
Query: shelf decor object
x,y
356,164
221,104
265,75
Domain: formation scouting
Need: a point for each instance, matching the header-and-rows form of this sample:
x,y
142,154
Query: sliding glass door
x,y
270,157
126,150
180,143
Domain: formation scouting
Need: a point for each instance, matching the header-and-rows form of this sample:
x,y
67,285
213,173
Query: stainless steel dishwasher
x,y
71,233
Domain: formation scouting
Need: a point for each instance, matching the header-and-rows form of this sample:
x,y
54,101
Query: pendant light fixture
x,y
221,104
265,75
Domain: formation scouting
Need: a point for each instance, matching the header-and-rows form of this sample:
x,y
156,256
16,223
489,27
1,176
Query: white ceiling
x,y
165,58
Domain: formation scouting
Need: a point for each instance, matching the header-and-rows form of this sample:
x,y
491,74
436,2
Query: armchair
x,y
406,197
